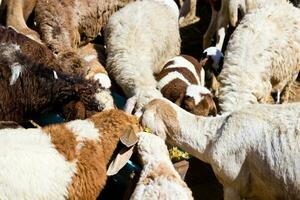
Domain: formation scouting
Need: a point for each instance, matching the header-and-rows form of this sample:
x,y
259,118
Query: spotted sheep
x,y
63,161
182,81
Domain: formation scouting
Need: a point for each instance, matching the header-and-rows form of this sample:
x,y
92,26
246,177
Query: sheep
x,y
32,82
158,179
65,25
226,12
182,82
139,42
17,13
254,152
267,62
63,161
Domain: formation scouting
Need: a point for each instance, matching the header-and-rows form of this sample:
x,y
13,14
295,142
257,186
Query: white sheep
x,y
262,57
225,12
254,152
64,161
158,179
140,38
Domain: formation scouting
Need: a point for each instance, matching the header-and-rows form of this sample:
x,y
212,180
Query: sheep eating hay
x,y
250,150
159,179
32,80
66,161
267,61
140,38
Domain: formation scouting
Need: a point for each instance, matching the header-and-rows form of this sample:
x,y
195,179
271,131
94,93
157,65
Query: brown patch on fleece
x,y
165,112
63,139
94,156
113,124
185,73
90,178
174,91
163,170
197,65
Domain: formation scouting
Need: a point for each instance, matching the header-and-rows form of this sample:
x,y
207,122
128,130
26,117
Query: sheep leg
x,y
221,32
211,29
130,104
285,94
231,194
17,14
188,13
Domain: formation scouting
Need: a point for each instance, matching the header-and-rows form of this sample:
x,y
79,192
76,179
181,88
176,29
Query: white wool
x,y
271,52
104,99
16,71
154,154
89,58
215,54
28,156
170,77
171,4
55,74
180,61
196,91
139,41
84,130
103,79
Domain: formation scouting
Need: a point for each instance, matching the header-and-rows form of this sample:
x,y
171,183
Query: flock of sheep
x,y
233,111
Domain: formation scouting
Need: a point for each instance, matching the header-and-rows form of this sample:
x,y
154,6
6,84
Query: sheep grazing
x,y
158,179
267,62
182,82
139,42
32,84
225,12
17,13
250,150
65,25
65,161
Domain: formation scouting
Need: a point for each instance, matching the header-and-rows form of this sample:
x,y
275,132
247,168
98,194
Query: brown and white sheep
x,y
68,24
254,151
182,82
158,179
65,161
32,82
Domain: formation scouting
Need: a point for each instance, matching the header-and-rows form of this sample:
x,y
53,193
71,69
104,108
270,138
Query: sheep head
x,y
199,101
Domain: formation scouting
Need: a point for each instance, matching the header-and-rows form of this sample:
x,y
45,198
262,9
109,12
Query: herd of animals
x,y
235,109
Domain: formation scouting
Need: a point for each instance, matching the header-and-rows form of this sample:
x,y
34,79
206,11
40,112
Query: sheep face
x,y
204,108
199,101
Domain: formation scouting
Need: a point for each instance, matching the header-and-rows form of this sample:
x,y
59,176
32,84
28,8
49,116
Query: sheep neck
x,y
194,134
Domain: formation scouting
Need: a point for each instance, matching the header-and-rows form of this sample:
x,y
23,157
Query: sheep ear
x,y
120,161
129,138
